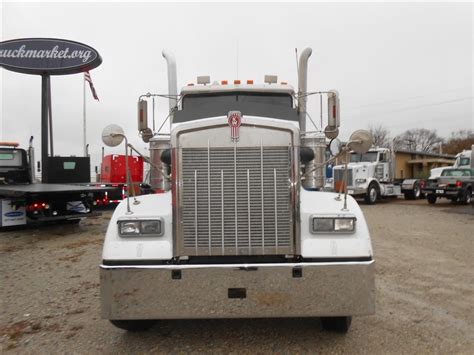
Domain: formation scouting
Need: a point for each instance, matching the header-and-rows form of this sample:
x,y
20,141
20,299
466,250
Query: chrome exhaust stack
x,y
303,87
172,82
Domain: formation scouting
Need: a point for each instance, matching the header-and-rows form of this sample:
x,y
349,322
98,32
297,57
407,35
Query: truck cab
x,y
14,168
240,228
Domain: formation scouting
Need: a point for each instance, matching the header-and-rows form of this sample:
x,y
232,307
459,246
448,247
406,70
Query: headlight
x,y
333,224
140,227
360,181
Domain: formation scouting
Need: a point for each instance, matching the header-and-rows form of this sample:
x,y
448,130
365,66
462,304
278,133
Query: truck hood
x,y
362,165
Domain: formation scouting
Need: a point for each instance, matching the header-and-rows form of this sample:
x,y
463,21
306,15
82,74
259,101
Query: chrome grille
x,y
235,201
339,176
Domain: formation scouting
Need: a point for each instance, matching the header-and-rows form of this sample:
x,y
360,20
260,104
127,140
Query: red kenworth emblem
x,y
234,120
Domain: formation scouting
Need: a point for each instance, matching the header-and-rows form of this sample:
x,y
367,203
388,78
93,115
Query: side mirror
x,y
335,147
360,141
142,115
332,129
113,135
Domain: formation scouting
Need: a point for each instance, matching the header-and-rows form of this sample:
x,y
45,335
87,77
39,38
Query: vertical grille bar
x,y
248,211
195,211
235,201
209,194
276,208
222,211
263,202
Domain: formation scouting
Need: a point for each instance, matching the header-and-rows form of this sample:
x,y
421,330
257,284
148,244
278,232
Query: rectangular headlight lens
x,y
344,225
151,227
129,228
323,224
138,227
333,224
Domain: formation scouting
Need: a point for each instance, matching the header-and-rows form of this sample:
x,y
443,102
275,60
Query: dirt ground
x,y
425,294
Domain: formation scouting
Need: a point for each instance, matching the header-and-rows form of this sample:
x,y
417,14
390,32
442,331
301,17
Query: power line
x,y
425,105
408,98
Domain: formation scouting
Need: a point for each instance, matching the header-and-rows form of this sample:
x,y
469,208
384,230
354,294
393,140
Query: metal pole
x,y
346,180
84,117
44,128
153,101
50,112
127,176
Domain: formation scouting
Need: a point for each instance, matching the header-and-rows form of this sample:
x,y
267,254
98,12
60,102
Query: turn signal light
x,y
224,82
458,184
236,82
250,82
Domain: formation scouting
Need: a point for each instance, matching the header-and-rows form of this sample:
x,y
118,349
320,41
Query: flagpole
x,y
84,116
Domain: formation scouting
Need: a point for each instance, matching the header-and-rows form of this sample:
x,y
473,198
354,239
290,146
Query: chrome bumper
x,y
237,290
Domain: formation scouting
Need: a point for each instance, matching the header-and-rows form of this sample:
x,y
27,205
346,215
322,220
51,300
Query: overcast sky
x,y
399,65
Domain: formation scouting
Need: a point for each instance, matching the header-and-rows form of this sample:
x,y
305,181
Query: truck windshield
x,y
274,105
463,172
462,161
366,157
10,158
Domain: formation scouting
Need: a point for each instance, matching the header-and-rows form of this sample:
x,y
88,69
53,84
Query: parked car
x,y
453,183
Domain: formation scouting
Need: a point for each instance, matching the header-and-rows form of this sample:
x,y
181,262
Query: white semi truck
x,y
372,175
240,229
465,159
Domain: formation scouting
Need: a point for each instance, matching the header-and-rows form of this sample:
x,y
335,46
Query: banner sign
x,y
50,56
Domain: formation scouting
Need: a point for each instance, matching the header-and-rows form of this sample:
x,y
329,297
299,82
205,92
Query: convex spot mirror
x,y
112,135
360,141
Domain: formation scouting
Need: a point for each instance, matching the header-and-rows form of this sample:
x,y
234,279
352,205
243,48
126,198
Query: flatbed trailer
x,y
23,201
37,203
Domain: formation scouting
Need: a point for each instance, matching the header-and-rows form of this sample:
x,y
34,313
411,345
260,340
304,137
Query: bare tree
x,y
419,139
459,141
380,135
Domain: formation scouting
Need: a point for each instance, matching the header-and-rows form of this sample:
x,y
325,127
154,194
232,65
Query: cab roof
x,y
229,88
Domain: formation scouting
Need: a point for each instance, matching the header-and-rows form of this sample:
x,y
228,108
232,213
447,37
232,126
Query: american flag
x,y
87,77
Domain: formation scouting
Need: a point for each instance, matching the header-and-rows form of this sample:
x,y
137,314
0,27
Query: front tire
x,y
372,194
336,324
431,199
134,325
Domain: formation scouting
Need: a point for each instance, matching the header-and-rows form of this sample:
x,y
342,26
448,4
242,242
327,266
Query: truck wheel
x,y
467,198
336,324
134,325
431,199
414,194
372,194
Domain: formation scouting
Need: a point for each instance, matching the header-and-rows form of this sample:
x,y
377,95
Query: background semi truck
x,y
240,228
24,201
465,159
384,172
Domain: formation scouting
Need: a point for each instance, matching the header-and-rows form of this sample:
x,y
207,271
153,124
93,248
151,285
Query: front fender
x,y
141,248
330,245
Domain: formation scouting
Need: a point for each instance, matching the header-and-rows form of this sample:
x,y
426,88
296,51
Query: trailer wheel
x,y
414,194
336,324
134,325
431,199
372,194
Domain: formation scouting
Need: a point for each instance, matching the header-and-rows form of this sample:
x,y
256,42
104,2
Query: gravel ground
x,y
425,294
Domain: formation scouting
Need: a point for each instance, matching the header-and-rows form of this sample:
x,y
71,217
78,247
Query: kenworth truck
x,y
240,228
